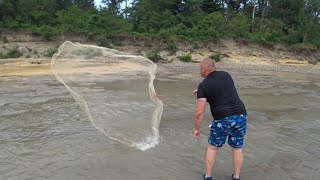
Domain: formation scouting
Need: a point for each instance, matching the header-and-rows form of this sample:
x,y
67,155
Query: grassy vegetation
x,y
172,46
3,55
4,39
154,56
104,41
195,46
185,58
50,52
35,52
116,42
11,53
216,57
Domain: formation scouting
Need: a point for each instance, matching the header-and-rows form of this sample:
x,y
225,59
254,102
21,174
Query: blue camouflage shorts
x,y
234,127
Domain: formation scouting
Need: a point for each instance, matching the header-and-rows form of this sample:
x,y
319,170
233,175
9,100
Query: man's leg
x,y
237,161
216,139
235,140
210,159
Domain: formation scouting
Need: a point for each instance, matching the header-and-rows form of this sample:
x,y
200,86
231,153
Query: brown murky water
x,y
44,135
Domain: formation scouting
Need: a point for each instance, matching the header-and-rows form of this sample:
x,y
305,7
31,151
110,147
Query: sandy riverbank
x,y
176,69
236,57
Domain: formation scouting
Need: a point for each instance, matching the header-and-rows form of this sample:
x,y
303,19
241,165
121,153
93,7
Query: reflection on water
x,y
44,135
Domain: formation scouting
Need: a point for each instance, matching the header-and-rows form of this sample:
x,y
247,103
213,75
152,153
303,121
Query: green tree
x,y
210,6
239,26
309,22
113,5
212,26
84,4
73,19
8,11
36,12
287,11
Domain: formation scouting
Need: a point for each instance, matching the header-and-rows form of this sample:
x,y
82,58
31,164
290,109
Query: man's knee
x,y
212,148
237,149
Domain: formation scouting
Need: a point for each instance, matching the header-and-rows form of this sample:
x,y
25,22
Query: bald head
x,y
208,63
207,66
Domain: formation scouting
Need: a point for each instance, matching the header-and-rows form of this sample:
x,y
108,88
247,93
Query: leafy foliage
x,y
11,53
104,41
50,52
154,56
216,57
35,52
185,58
263,21
4,39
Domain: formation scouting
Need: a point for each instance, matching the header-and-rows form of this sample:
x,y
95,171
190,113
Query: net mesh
x,y
114,90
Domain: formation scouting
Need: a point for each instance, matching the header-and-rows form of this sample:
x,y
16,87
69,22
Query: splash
x,y
114,90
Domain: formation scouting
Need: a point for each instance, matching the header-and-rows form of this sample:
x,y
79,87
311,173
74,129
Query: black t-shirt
x,y
219,90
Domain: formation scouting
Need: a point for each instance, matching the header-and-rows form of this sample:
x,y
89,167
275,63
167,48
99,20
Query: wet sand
x,y
176,69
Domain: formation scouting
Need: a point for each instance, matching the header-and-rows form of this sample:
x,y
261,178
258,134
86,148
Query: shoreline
x,y
20,67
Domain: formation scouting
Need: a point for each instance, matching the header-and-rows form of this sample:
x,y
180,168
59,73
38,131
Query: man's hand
x,y
195,92
196,133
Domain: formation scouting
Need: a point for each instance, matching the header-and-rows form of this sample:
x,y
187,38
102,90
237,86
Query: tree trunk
x,y
253,13
265,4
244,5
304,37
126,13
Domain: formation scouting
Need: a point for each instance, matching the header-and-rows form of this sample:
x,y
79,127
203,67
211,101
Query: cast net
x,y
114,90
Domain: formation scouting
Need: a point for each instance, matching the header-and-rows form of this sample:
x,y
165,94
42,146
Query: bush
x,y
11,53
48,32
313,62
154,56
3,55
172,47
14,53
117,42
185,58
211,26
216,57
239,26
104,41
316,42
50,52
4,39
34,51
35,31
12,24
196,46
28,56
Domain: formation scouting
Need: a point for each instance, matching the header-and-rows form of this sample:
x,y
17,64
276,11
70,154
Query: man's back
x,y
219,90
229,115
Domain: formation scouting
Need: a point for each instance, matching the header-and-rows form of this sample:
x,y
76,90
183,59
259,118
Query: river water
x,y
44,135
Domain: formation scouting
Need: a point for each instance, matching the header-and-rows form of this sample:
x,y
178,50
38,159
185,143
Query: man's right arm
x,y
200,109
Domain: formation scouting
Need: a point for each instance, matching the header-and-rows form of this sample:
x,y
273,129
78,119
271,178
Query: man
x,y
228,111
